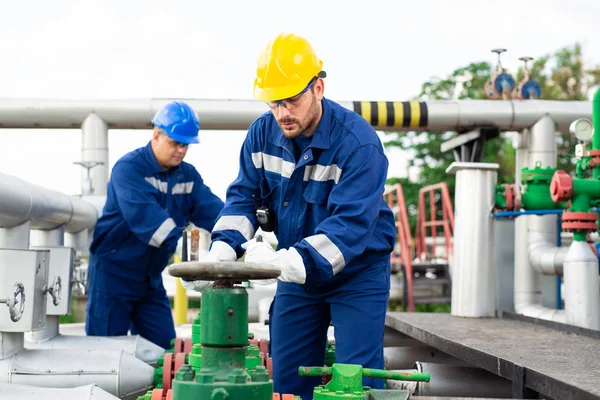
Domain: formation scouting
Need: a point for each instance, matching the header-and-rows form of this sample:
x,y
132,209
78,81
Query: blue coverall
x,y
145,213
327,195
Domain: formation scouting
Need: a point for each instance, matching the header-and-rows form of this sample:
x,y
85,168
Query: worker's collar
x,y
151,158
321,139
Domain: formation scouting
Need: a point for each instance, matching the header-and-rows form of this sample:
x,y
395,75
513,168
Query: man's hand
x,y
219,251
288,260
258,250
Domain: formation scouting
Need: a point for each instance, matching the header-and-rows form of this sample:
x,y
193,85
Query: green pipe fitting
x,y
596,123
583,193
364,372
224,315
500,199
346,380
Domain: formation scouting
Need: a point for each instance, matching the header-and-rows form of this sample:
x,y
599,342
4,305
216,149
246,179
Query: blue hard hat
x,y
179,121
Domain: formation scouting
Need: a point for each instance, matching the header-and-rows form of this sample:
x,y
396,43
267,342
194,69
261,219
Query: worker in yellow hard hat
x,y
313,172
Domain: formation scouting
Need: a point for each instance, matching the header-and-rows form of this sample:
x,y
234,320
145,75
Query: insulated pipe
x,y
582,292
544,256
26,392
541,230
474,277
116,372
137,346
94,150
21,201
434,116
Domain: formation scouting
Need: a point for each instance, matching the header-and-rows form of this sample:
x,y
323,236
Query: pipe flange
x,y
509,196
595,155
561,187
579,221
516,192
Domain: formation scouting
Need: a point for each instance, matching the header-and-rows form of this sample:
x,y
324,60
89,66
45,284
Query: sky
x,y
375,50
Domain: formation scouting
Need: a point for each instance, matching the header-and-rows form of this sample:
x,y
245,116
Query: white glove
x,y
256,250
288,260
219,251
222,252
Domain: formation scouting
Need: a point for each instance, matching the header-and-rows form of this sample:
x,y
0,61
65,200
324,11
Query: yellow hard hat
x,y
285,67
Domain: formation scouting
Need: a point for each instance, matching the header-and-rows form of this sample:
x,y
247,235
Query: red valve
x,y
561,187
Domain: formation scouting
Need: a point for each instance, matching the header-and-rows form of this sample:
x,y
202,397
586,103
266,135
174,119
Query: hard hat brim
x,y
278,93
184,139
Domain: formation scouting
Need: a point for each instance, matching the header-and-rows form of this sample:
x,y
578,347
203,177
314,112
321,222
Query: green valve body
x,y
222,365
536,194
224,316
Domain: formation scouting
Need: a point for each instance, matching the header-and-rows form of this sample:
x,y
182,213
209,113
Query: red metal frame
x,y
395,199
447,221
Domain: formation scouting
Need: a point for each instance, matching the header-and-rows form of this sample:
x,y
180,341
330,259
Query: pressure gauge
x,y
583,129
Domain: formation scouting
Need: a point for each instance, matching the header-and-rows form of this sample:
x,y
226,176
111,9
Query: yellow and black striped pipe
x,y
394,114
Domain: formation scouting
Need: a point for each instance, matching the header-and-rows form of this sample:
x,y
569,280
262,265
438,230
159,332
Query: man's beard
x,y
300,126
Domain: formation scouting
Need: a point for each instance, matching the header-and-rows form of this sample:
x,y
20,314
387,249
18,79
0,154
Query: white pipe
x,y
582,293
434,116
79,241
137,346
21,201
26,392
118,373
537,144
545,257
94,149
16,237
473,276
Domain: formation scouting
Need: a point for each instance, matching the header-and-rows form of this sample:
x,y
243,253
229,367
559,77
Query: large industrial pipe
x,y
141,348
582,294
117,372
535,236
26,392
432,116
473,274
46,209
94,156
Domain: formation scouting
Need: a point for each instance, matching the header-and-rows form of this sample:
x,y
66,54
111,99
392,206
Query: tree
x,y
562,76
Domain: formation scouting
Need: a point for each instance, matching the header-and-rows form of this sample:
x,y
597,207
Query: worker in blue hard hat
x,y
152,196
313,173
